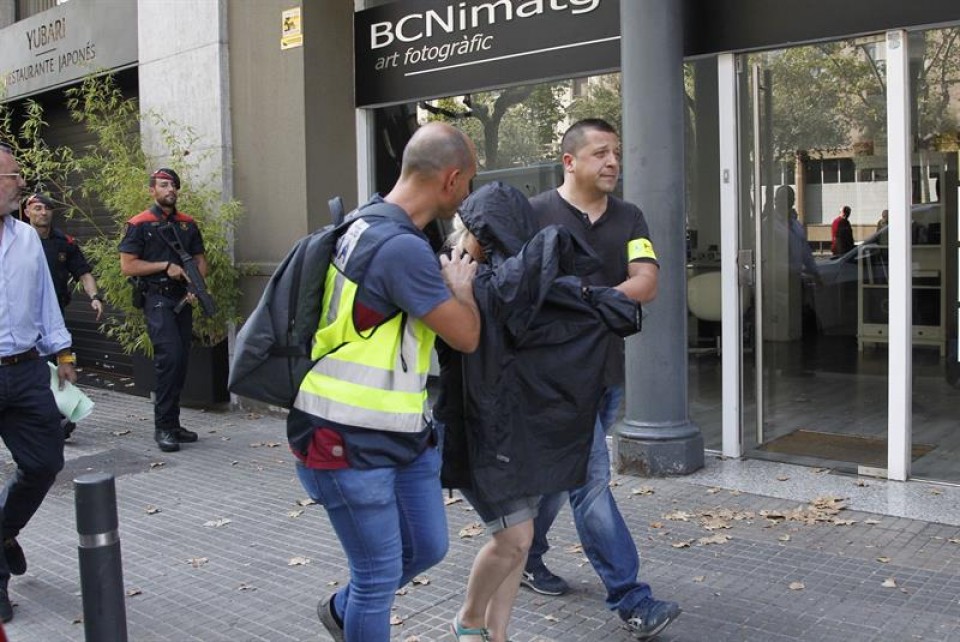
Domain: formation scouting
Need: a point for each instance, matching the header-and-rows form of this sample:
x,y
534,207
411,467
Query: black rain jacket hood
x,y
520,410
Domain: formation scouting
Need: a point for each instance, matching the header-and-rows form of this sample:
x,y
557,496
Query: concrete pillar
x,y
184,77
657,437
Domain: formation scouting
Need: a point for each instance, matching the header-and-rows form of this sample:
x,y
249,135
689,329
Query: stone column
x,y
657,437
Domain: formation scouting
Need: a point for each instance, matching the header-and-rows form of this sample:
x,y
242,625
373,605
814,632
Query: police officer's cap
x,y
43,199
167,174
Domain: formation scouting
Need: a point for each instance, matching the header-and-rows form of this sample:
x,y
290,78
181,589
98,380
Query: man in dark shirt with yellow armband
x,y
618,233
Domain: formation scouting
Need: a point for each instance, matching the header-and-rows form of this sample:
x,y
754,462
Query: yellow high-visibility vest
x,y
376,380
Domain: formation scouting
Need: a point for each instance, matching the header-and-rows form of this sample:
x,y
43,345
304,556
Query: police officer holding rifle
x,y
162,251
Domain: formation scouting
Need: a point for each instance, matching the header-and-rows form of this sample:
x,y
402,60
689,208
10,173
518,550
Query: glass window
x,y
831,170
936,162
847,170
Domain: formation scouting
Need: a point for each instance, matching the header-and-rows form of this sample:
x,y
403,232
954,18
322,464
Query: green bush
x,y
112,174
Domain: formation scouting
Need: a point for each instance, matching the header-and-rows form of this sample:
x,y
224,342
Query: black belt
x,y
170,289
14,359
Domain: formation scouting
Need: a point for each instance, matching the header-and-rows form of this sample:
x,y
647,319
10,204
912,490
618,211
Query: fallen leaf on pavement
x,y
797,586
678,516
890,582
295,513
151,510
412,638
134,591
452,500
298,561
714,490
306,502
883,560
401,591
784,538
551,618
714,523
246,587
719,538
120,433
575,549
782,477
682,543
420,580
656,524
395,620
157,464
699,578
871,521
472,530
197,562
217,523
642,490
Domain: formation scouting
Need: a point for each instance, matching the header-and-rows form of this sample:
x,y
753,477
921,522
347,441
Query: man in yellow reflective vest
x,y
360,426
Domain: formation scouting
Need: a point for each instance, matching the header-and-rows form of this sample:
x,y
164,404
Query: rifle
x,y
195,283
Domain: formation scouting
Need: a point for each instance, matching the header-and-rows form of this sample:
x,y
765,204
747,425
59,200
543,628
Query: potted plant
x,y
113,174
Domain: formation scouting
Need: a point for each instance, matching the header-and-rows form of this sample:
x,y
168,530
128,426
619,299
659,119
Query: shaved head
x,y
436,147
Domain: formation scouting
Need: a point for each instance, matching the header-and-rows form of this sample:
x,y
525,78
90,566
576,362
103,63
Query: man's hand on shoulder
x,y
457,320
458,273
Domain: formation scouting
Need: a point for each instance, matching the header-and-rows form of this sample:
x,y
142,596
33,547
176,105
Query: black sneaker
x,y
329,620
651,617
542,581
16,560
68,428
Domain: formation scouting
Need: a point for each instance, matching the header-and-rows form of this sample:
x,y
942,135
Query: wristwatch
x,y
66,357
97,297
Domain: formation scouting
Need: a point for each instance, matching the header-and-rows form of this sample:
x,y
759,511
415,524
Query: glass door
x,y
813,170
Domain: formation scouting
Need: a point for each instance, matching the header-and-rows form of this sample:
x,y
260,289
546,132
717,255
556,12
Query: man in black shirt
x,y
618,233
64,256
146,253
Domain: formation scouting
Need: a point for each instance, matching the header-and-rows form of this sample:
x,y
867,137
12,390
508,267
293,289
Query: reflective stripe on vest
x,y
375,381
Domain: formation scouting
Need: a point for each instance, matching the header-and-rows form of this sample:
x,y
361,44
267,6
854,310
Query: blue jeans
x,y
606,540
392,526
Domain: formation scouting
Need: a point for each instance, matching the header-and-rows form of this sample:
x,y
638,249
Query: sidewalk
x,y
216,547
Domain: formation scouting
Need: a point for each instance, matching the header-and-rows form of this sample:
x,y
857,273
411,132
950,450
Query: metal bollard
x,y
101,571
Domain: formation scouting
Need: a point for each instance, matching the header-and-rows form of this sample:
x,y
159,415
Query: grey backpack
x,y
272,352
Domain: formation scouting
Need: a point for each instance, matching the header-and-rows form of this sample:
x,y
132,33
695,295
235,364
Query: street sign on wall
x,y
431,48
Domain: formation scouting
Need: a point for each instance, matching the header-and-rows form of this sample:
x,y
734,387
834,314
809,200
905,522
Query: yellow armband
x,y
640,249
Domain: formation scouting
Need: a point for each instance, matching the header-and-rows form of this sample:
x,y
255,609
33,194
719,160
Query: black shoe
x,y
542,581
68,428
185,436
651,617
16,560
167,440
6,609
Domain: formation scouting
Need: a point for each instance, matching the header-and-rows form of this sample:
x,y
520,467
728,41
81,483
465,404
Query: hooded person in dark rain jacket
x,y
519,412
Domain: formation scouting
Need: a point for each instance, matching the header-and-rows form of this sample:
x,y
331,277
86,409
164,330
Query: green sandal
x,y
482,634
